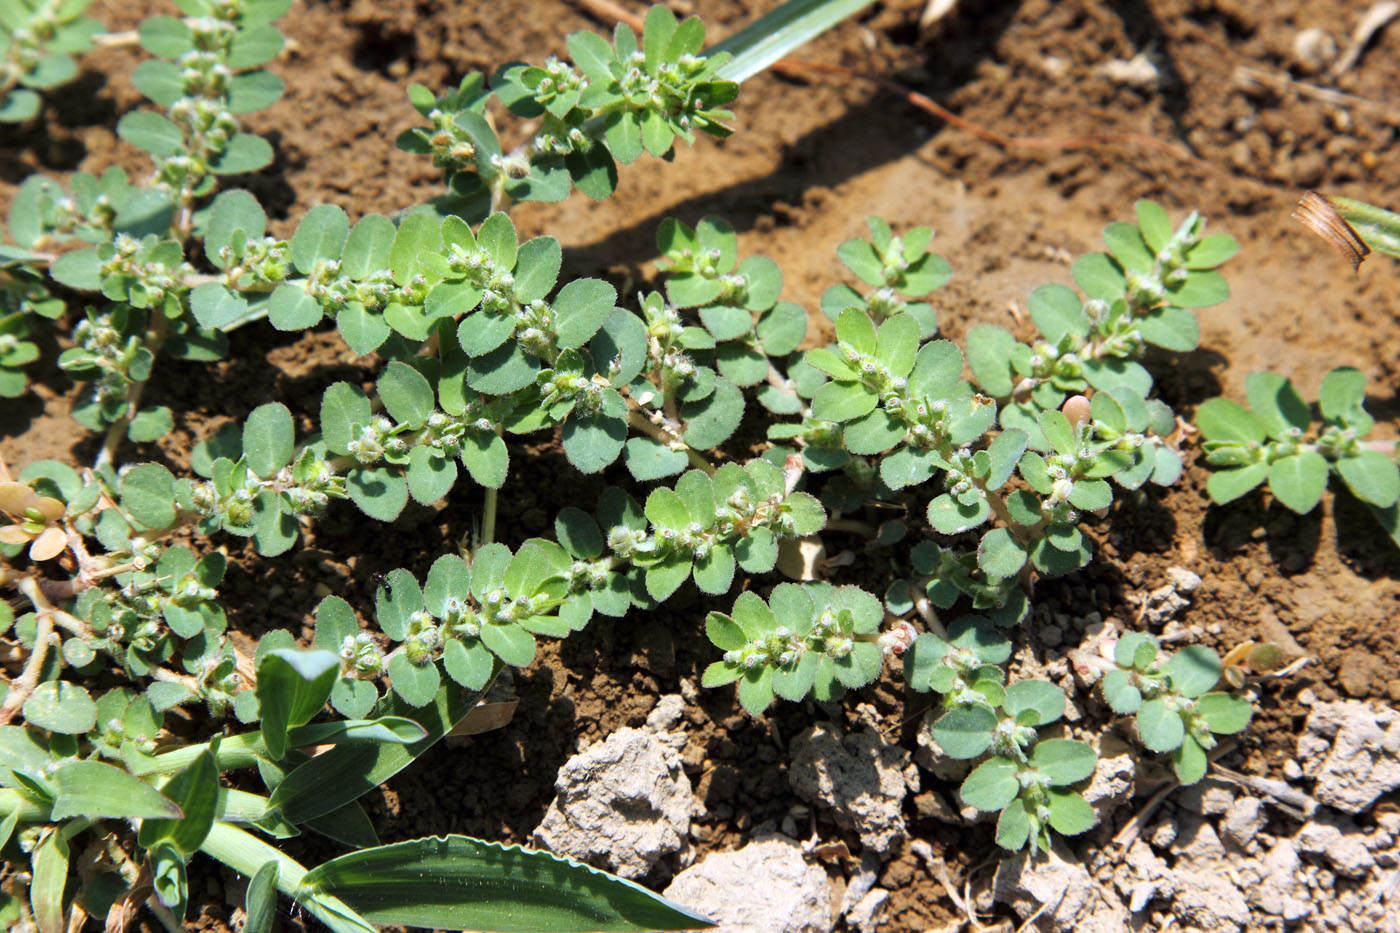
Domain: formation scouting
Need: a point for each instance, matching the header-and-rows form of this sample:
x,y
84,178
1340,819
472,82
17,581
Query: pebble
x,y
1359,671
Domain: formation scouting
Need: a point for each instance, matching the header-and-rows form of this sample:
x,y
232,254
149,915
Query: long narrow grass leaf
x,y
456,882
775,34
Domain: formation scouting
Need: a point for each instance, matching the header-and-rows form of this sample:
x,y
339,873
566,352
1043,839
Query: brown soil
x,y
807,164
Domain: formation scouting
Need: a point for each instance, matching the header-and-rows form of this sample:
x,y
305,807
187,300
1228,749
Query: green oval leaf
x,y
965,732
992,785
268,439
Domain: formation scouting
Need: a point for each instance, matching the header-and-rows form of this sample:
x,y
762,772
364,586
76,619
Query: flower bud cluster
x,y
961,476
310,484
534,326
559,384
114,352
671,92
884,303
704,263
207,124
265,258
147,280
451,146
113,734
897,640
559,78
1334,443
332,291
190,592
360,656
559,143
217,30
587,575
1147,291
833,633
734,518
423,641
663,321
779,648
372,441
893,264
219,680
1010,738
203,73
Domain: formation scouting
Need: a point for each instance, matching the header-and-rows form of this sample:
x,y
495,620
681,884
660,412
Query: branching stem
x,y
24,685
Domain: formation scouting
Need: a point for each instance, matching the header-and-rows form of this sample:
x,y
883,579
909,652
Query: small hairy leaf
x,y
1298,481
1194,670
965,732
1159,726
999,554
1371,476
1070,813
1040,697
1228,485
991,785
1063,761
1223,713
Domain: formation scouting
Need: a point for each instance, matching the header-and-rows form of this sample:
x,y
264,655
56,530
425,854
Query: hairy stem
x,y
638,419
155,336
24,685
488,518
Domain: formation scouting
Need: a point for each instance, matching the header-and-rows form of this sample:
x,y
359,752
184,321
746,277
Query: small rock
x,y
1197,843
932,805
1166,601
860,776
1162,835
1313,50
1113,777
1360,671
1184,580
861,882
1208,797
765,887
1243,821
1275,893
1138,71
1053,879
1392,690
1209,900
1353,752
1338,840
865,916
1292,770
622,805
667,713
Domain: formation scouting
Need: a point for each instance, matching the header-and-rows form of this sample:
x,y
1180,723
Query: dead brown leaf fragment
x,y
1321,216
